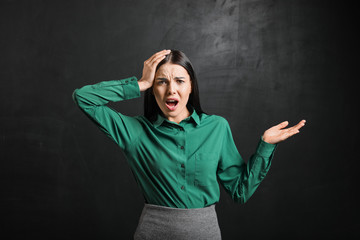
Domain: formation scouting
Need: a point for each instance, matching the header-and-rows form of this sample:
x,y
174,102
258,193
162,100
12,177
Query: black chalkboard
x,y
258,63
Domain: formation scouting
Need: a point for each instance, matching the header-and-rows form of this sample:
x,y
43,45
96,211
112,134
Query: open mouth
x,y
171,104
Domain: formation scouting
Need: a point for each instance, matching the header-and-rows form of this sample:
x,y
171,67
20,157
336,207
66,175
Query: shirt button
x,y
182,165
182,187
182,147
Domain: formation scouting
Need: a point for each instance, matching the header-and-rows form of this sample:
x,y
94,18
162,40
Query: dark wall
x,y
258,63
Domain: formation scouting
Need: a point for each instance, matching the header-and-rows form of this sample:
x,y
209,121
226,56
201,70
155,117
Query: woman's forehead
x,y
172,69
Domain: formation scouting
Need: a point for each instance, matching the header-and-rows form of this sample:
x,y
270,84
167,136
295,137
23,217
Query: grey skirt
x,y
159,222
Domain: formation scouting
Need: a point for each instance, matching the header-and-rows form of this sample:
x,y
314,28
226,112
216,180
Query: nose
x,y
171,88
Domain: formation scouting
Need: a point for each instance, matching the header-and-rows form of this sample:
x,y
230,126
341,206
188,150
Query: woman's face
x,y
171,88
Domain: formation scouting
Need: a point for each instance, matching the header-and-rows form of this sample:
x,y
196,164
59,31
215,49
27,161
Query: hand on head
x,y
148,75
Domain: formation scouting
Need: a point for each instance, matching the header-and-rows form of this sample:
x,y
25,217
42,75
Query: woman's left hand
x,y
277,133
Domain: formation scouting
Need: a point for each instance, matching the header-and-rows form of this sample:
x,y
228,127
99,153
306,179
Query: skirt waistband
x,y
177,209
180,211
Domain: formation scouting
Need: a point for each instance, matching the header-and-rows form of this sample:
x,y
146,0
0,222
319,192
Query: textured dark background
x,y
258,63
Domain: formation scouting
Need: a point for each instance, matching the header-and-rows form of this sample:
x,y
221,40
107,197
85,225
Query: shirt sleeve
x,y
92,100
239,179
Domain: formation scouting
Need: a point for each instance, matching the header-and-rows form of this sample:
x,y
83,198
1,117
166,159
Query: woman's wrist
x,y
267,140
143,85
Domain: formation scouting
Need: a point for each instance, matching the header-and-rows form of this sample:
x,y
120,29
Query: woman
x,y
177,152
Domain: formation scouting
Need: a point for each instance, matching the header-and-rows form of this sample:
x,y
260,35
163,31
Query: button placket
x,y
182,143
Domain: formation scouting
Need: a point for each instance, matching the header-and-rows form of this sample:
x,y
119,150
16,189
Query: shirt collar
x,y
160,119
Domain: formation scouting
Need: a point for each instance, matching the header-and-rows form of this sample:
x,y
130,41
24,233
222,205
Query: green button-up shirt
x,y
176,165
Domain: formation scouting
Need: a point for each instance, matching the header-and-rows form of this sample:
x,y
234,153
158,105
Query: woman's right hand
x,y
148,75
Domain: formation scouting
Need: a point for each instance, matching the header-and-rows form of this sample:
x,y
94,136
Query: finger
x,y
156,60
288,133
295,129
156,55
281,125
299,125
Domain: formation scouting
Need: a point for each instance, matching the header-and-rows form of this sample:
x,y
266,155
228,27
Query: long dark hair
x,y
151,108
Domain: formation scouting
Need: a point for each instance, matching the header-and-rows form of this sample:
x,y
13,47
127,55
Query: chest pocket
x,y
205,169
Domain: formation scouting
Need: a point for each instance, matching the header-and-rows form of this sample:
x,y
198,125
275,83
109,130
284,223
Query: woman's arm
x,y
92,100
239,179
101,93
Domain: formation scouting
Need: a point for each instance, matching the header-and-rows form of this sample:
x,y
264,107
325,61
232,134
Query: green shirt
x,y
176,165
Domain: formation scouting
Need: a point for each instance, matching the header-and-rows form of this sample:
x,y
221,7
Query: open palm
x,y
279,133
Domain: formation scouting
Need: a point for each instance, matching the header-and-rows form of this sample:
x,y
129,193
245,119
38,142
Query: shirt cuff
x,y
132,89
265,149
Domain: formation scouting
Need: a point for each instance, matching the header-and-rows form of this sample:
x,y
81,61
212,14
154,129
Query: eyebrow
x,y
174,78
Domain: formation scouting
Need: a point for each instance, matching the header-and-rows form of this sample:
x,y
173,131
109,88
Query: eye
x,y
180,81
161,82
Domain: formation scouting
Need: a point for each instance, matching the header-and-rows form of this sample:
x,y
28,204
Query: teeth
x,y
171,100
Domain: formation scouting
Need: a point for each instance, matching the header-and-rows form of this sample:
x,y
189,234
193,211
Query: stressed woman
x,y
178,154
